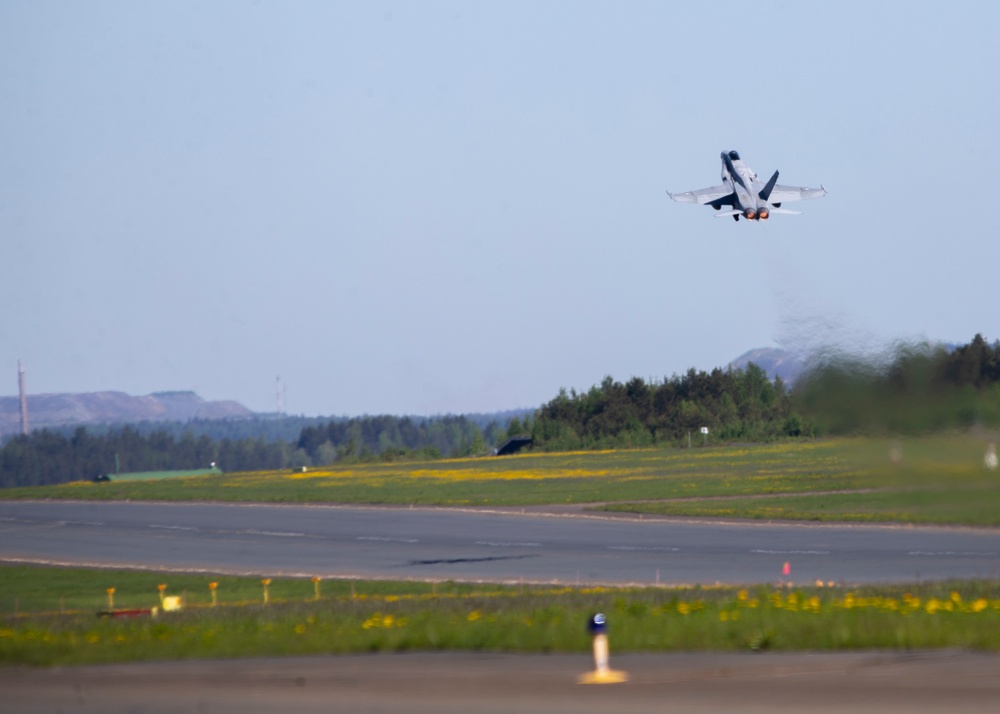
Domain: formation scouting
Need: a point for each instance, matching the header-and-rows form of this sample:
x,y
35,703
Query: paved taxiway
x,y
859,683
429,543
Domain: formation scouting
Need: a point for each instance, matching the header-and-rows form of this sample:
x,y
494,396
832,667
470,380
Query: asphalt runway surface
x,y
859,683
478,545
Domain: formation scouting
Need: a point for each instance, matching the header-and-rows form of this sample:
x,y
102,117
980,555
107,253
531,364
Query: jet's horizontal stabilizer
x,y
733,212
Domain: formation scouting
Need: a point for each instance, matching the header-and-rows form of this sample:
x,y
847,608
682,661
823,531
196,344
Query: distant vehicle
x,y
745,195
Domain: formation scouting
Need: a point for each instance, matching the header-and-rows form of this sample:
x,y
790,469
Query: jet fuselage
x,y
746,188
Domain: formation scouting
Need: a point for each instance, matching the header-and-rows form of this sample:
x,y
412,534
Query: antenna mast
x,y
24,398
279,395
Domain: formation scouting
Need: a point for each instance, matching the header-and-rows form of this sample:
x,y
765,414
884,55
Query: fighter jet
x,y
745,195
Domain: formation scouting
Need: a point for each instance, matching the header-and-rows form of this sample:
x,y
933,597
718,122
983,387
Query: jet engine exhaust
x,y
750,214
763,214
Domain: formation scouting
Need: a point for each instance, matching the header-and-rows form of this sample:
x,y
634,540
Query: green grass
x,y
938,480
925,506
57,624
578,477
934,480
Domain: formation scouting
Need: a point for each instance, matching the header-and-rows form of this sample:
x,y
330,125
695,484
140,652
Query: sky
x,y
454,207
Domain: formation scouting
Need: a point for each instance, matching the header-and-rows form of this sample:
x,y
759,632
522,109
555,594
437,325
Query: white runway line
x,y
650,548
276,534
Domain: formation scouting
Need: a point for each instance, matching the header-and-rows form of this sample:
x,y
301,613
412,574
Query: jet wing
x,y
782,194
702,195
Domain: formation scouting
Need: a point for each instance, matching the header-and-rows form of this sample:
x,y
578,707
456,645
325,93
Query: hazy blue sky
x,y
430,207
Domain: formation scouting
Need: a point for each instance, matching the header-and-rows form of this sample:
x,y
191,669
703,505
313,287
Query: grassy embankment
x,y
939,479
56,622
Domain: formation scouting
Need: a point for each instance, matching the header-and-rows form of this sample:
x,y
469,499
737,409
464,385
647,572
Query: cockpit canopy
x,y
734,155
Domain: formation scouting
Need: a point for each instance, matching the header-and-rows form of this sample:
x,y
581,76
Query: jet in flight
x,y
745,195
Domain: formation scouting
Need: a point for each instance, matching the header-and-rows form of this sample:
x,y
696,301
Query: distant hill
x,y
776,362
58,411
61,410
791,365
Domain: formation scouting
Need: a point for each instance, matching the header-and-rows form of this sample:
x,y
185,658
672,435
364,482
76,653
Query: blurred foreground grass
x,y
56,621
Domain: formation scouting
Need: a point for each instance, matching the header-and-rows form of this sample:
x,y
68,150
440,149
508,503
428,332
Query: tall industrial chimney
x,y
24,398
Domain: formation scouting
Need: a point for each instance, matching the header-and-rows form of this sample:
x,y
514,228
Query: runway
x,y
454,683
479,545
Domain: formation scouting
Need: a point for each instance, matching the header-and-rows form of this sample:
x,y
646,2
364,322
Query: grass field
x,y
935,480
938,479
578,477
57,623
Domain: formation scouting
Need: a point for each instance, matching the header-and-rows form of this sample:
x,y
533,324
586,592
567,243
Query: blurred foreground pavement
x,y
418,683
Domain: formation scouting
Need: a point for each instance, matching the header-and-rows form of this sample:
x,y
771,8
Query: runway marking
x,y
276,534
790,552
949,553
502,544
644,548
388,540
173,528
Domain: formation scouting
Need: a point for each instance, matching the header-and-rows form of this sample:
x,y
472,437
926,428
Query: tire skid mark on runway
x,y
484,559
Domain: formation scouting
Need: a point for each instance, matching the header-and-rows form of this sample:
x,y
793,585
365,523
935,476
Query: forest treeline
x,y
731,404
47,457
919,388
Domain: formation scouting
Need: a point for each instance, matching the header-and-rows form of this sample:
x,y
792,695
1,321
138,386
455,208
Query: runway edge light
x,y
602,673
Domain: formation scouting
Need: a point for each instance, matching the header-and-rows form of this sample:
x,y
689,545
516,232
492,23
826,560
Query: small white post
x,y
990,459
